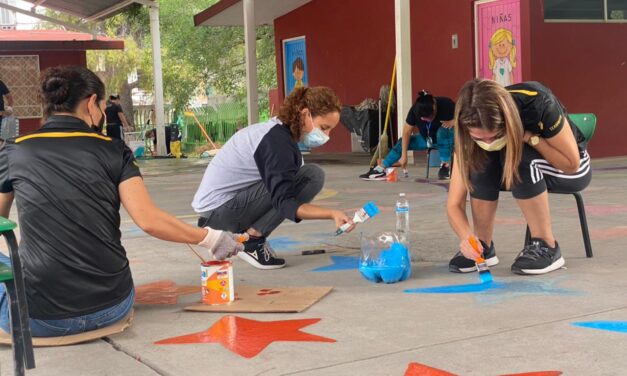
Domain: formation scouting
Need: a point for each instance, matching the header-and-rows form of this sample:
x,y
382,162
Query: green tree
x,y
195,59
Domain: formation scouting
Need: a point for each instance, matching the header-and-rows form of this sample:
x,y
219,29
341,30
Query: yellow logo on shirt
x,y
61,135
557,123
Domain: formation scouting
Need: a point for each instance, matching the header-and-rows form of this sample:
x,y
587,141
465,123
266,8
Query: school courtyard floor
x,y
525,324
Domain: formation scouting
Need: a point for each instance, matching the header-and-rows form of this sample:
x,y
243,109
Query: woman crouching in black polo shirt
x,y
68,181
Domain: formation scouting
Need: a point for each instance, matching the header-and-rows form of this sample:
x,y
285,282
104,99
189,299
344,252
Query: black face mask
x,y
100,122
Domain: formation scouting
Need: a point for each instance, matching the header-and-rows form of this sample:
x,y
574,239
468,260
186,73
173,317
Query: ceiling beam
x,y
112,9
148,3
46,18
37,3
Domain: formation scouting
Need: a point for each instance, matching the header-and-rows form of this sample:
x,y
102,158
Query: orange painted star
x,y
162,292
417,369
248,338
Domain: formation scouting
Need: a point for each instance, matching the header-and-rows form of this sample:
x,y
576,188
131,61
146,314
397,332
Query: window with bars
x,y
585,10
21,75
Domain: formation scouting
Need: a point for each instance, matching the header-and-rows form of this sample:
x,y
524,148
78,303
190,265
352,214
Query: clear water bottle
x,y
402,218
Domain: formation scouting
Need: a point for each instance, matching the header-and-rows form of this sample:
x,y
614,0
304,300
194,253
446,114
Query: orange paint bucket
x,y
217,282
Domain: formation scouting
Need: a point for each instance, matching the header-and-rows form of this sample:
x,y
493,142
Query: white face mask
x,y
495,145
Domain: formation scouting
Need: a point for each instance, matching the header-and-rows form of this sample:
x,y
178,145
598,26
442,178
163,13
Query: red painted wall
x,y
350,48
49,59
353,54
436,66
585,64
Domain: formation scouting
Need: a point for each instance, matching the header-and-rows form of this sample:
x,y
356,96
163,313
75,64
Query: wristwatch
x,y
533,141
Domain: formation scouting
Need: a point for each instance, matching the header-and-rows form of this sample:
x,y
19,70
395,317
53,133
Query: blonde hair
x,y
487,105
499,36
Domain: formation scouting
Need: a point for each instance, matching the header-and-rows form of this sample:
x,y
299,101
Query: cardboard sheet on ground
x,y
268,299
5,338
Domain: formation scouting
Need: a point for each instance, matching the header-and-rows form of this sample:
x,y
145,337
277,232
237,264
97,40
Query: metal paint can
x,y
217,282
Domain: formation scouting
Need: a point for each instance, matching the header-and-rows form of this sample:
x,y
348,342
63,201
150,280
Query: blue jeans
x,y
445,144
64,327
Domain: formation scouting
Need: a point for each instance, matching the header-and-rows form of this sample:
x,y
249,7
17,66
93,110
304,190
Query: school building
x,y
573,47
24,54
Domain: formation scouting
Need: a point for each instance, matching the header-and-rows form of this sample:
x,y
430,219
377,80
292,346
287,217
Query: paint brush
x,y
484,271
196,253
362,215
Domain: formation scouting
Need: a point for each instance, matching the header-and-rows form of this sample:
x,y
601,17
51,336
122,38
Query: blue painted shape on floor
x,y
457,289
612,326
340,263
285,243
495,292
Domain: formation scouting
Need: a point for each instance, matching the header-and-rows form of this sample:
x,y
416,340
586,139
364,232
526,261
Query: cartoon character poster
x,y
294,64
497,41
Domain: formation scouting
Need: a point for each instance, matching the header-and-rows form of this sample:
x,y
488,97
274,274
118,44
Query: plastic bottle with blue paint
x,y
384,258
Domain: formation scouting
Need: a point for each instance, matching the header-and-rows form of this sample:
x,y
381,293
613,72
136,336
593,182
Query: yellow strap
x,y
61,135
526,92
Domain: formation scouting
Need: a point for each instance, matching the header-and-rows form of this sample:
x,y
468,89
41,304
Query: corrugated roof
x,y
96,9
24,40
231,12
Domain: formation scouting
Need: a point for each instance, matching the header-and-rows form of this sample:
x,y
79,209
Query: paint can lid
x,y
216,263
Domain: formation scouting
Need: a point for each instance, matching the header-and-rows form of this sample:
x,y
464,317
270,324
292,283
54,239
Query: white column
x,y
158,79
404,98
250,37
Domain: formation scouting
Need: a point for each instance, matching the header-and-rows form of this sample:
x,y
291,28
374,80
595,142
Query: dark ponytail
x,y
424,104
62,88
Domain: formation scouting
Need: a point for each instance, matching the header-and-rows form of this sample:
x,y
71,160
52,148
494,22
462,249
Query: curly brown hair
x,y
319,100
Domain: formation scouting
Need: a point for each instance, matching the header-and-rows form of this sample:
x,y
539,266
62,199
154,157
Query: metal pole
x,y
379,148
403,58
158,78
250,37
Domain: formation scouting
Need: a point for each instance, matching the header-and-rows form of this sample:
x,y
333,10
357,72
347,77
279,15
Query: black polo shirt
x,y
65,178
444,111
541,112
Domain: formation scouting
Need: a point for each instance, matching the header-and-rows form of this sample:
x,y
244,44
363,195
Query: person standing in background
x,y
116,121
5,93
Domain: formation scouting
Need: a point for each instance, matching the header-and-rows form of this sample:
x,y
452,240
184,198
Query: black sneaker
x,y
538,258
460,264
258,253
374,175
444,172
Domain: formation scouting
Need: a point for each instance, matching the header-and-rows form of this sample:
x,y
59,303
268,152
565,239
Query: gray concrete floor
x,y
379,329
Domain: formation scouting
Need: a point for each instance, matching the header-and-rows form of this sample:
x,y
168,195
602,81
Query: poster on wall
x,y
294,64
497,41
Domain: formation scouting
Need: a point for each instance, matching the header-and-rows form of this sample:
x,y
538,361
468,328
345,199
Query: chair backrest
x,y
7,225
586,123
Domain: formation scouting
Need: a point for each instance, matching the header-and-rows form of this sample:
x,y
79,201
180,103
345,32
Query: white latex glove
x,y
222,244
8,110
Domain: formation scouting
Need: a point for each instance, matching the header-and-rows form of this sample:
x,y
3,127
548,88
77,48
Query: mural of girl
x,y
502,54
298,72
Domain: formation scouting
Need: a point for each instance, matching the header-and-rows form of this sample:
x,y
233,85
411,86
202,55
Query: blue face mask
x,y
315,138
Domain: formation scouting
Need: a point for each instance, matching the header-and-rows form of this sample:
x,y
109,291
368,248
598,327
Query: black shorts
x,y
536,175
